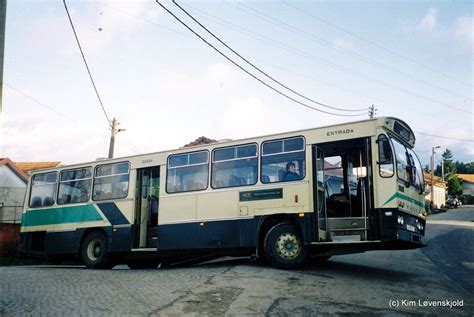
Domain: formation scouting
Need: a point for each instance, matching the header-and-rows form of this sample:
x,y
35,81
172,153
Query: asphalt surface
x,y
391,283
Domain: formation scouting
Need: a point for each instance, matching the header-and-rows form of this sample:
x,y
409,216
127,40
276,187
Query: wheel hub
x,y
288,246
94,250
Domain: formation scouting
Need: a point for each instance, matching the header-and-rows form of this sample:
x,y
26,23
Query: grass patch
x,y
13,261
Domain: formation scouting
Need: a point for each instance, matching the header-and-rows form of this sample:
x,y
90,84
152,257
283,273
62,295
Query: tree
x,y
449,167
454,186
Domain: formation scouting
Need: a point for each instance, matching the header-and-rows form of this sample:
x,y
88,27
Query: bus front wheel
x,y
94,251
283,246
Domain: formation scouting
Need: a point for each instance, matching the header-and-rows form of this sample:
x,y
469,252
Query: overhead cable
x,y
249,73
259,70
87,66
444,137
391,51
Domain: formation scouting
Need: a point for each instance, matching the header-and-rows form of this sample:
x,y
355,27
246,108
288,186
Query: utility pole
x,y
372,111
3,14
432,174
442,170
114,131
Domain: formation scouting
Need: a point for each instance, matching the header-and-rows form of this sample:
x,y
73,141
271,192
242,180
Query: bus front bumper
x,y
412,238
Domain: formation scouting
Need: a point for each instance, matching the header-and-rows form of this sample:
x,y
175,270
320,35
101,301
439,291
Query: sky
x,y
411,59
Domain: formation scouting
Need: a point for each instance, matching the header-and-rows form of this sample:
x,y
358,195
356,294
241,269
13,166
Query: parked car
x,y
453,202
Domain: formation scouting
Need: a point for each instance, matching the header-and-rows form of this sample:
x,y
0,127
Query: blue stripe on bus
x,y
113,213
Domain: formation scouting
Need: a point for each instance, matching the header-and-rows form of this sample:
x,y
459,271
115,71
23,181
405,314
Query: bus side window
x,y
234,166
43,190
187,172
385,157
283,160
111,181
75,186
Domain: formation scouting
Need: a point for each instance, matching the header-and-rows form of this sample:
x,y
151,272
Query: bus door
x,y
319,193
346,189
146,218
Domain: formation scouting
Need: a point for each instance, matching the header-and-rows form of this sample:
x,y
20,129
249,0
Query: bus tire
x,y
283,246
94,251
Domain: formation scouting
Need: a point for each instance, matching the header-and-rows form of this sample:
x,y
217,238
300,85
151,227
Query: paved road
x,y
364,284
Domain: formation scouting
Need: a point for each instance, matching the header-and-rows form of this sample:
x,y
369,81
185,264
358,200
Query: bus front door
x,y
146,219
320,194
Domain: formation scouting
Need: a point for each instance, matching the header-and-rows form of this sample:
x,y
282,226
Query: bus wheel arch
x,y
94,249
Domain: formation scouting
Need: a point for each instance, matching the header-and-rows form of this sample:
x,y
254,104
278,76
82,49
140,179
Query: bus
x,y
284,198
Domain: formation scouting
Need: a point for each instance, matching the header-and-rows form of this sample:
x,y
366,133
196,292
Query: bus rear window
x,y
43,190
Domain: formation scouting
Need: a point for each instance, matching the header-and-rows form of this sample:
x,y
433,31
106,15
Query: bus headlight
x,y
420,226
400,220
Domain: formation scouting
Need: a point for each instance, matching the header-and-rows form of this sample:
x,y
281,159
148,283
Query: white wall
x,y
12,193
439,198
9,179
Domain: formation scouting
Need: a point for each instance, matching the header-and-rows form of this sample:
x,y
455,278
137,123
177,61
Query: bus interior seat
x,y
48,201
198,186
281,175
265,179
65,199
218,184
234,180
36,202
190,185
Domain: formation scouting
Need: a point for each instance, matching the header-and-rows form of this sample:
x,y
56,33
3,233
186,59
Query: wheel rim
x,y
288,246
94,250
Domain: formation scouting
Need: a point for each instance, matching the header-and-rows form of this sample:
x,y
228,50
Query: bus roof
x,y
380,121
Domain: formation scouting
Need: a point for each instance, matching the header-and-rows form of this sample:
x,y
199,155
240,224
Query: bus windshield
x,y
408,165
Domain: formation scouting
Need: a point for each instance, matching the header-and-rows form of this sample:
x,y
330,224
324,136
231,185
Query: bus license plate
x,y
411,228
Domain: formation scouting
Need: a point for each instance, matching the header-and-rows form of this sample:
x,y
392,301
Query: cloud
x,y
428,22
464,29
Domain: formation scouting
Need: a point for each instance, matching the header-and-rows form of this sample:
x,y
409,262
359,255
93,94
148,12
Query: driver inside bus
x,y
290,174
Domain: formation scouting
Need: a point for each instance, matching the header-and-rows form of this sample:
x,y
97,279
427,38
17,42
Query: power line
x,y
250,74
346,51
141,18
296,51
444,137
374,43
24,94
258,69
87,67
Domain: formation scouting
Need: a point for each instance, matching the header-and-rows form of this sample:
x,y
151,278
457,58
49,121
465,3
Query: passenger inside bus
x,y
290,174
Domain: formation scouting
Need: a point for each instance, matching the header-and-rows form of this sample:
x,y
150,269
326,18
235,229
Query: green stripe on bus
x,y
406,198
60,215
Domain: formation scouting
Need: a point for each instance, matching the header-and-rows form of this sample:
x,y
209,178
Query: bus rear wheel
x,y
94,251
283,246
